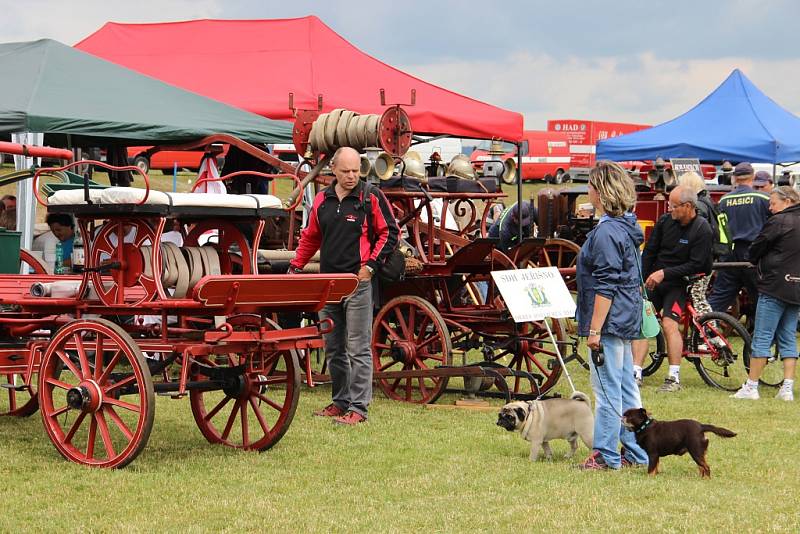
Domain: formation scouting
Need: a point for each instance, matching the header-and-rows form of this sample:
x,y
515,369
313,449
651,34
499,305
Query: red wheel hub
x,y
86,397
404,351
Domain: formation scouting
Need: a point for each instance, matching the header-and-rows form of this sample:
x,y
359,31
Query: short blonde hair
x,y
693,181
614,188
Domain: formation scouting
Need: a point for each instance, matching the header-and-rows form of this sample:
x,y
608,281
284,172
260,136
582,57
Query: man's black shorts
x,y
670,300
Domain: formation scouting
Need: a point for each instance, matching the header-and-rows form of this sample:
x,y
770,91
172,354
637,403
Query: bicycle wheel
x,y
656,353
722,360
772,375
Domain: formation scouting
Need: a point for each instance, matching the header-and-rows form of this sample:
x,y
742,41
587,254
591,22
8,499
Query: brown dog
x,y
663,438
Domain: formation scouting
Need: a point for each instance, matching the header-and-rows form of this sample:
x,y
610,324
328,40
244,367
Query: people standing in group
x,y
763,182
776,254
679,246
507,226
610,313
338,226
744,211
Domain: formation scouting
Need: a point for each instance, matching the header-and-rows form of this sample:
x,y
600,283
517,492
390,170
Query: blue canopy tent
x,y
736,122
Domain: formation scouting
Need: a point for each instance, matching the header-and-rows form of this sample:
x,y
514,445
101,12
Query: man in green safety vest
x,y
743,213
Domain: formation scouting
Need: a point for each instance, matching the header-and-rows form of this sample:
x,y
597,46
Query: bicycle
x,y
707,342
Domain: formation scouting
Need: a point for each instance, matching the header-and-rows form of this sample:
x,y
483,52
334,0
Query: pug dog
x,y
543,420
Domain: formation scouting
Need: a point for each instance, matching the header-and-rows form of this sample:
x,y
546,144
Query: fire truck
x,y
545,156
583,137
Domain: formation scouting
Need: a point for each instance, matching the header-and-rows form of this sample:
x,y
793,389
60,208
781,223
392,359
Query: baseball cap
x,y
762,178
525,207
742,169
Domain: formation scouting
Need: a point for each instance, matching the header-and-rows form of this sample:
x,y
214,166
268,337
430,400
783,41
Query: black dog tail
x,y
722,432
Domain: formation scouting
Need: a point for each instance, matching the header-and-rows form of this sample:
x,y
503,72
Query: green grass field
x,y
411,469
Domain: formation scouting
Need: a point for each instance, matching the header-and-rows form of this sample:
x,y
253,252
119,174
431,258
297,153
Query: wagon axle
x,y
403,352
86,397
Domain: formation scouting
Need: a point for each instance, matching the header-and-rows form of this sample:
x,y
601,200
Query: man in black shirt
x,y
680,245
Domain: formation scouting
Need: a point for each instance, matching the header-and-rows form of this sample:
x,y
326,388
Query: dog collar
x,y
643,426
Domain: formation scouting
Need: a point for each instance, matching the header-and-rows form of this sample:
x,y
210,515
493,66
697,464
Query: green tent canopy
x,y
58,90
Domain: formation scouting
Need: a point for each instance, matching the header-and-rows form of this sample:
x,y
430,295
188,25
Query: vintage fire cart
x,y
147,318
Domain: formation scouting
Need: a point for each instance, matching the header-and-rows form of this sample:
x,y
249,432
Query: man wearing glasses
x,y
680,245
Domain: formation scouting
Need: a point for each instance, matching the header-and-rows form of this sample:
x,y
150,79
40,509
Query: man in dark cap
x,y
506,227
743,213
763,182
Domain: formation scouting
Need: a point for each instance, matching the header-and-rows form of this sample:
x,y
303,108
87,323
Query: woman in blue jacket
x,y
610,312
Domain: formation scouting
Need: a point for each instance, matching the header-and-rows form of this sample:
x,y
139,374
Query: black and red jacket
x,y
339,231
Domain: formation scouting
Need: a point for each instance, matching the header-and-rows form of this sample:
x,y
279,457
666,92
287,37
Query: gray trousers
x,y
348,351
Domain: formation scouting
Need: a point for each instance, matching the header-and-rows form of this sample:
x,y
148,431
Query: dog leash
x,y
598,359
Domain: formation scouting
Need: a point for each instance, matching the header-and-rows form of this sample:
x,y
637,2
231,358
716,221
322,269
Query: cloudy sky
x,y
620,60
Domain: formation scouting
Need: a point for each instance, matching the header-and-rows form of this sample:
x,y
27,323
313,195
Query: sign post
x,y
536,295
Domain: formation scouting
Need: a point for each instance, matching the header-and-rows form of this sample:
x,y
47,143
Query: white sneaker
x,y
746,392
785,394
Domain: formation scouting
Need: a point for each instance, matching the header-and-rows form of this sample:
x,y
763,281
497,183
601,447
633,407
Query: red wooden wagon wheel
x,y
130,284
408,334
534,353
259,396
561,253
34,264
229,239
96,394
17,399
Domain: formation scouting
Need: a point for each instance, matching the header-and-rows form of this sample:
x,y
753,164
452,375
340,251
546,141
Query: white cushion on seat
x,y
69,197
132,195
267,201
212,200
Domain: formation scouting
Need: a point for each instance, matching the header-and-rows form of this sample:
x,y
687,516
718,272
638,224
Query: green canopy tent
x,y
57,90
76,99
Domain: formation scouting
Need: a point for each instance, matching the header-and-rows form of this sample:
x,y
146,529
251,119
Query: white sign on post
x,y
534,294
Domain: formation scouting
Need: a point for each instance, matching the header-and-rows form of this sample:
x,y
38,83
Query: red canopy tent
x,y
255,64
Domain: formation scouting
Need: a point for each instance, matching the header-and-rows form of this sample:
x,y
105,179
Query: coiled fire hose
x,y
340,127
183,267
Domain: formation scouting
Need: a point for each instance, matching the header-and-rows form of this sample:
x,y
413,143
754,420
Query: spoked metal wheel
x,y
257,395
723,360
409,334
656,354
96,394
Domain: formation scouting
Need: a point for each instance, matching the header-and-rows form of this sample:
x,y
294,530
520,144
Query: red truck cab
x,y
545,156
